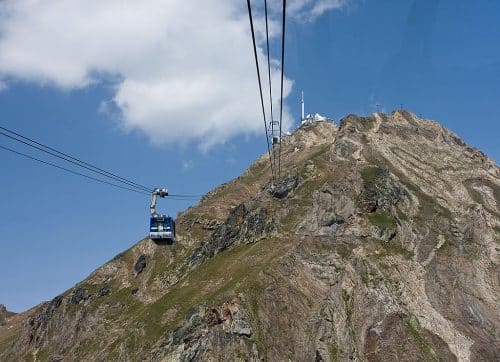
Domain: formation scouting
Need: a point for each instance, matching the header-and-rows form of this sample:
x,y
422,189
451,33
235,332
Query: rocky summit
x,y
380,242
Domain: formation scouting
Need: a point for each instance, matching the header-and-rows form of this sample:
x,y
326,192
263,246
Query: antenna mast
x,y
302,104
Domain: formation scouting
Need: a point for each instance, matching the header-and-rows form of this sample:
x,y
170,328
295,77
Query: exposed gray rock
x,y
140,265
211,224
330,209
37,325
205,223
285,186
237,320
381,192
345,148
78,295
386,233
241,227
208,329
104,291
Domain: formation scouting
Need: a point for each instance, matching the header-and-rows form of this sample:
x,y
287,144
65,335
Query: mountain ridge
x,y
380,240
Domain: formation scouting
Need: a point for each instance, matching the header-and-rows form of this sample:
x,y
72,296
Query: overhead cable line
x,y
86,165
179,198
171,197
72,171
270,84
186,196
260,83
51,151
282,72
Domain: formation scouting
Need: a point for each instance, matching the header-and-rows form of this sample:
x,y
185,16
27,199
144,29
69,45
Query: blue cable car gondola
x,y
161,227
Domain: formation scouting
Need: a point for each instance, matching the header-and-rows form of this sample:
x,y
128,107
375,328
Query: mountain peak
x,y
379,241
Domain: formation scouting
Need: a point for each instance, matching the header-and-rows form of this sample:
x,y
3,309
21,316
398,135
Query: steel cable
x,y
72,171
270,83
282,72
260,83
61,155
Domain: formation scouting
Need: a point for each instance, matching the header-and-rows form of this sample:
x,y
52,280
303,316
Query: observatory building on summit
x,y
311,118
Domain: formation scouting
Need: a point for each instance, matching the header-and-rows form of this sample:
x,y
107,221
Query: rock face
x,y
285,186
3,314
380,243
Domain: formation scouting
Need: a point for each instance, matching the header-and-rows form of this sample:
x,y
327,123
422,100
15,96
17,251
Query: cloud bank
x,y
182,70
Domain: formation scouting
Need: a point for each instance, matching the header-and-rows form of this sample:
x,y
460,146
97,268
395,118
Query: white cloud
x,y
3,86
182,70
310,10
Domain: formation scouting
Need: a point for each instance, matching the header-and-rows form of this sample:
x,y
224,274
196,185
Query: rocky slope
x,y
380,243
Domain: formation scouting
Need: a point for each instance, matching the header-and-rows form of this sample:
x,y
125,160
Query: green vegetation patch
x,y
369,173
396,248
321,151
382,248
333,349
402,216
7,342
349,306
255,172
369,275
343,250
307,189
29,357
413,328
383,220
38,355
169,261
87,347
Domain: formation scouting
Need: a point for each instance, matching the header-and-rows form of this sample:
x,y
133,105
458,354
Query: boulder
x,y
285,186
140,265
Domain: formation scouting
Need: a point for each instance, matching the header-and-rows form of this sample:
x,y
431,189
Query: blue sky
x,y
440,59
